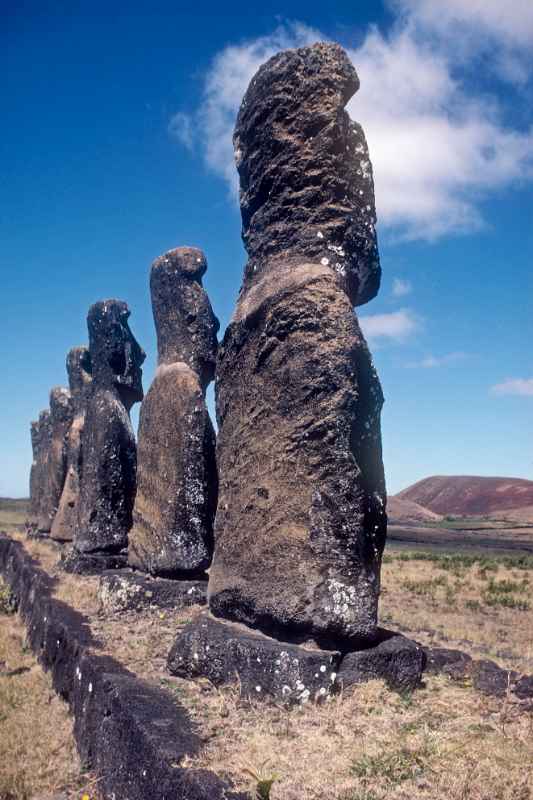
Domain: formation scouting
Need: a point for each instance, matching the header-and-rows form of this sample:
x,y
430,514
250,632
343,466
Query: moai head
x,y
305,175
78,370
185,323
116,356
60,404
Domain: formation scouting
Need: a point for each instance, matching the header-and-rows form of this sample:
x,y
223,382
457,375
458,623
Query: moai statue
x,y
79,374
55,456
301,524
35,478
108,475
172,533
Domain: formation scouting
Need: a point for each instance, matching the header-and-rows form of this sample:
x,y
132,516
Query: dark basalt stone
x,y
55,456
36,474
78,563
79,374
129,591
185,324
453,663
225,652
264,667
301,524
135,737
397,660
108,476
172,533
305,174
491,679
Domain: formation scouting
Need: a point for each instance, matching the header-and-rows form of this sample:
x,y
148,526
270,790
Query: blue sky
x,y
115,147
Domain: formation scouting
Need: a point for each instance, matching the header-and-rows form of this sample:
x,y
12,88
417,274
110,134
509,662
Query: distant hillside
x,y
14,503
469,495
402,510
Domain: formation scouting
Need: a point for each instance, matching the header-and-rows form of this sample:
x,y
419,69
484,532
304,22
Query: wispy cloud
x,y
437,146
514,386
182,127
394,327
431,362
401,288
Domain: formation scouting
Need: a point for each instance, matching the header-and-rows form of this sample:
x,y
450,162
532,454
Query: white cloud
x,y
437,148
394,327
514,386
400,287
431,362
182,127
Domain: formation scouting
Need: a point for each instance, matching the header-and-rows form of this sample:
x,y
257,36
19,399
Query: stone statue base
x,y
227,652
79,563
125,590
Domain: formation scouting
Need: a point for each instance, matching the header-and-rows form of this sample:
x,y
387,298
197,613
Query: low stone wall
x,y
131,734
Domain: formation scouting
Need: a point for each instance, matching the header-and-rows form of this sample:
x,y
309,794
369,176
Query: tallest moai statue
x,y
301,523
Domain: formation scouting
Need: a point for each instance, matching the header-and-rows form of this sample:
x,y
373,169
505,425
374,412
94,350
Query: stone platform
x,y
78,563
126,590
226,652
136,737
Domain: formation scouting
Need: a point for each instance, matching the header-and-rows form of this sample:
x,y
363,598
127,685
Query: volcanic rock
x,y
301,524
79,373
108,476
172,532
35,476
124,590
55,456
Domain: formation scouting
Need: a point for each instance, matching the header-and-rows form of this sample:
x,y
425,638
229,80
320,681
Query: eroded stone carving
x,y
79,374
172,532
301,522
108,476
54,445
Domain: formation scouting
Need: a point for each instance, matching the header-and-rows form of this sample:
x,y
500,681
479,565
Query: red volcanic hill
x,y
468,495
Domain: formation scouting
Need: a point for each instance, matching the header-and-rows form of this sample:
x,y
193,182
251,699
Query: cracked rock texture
x,y
55,457
301,523
79,374
172,532
38,430
108,476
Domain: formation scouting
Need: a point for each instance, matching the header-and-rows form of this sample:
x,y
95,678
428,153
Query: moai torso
x,y
108,476
172,533
33,512
301,525
66,518
55,461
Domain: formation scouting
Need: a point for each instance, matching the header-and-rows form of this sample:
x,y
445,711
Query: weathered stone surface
x,y
79,373
124,590
135,737
55,457
306,181
491,679
301,524
78,563
172,533
36,475
108,477
226,652
395,659
454,663
185,324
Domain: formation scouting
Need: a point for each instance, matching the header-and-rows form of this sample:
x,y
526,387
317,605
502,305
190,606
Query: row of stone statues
x,y
288,515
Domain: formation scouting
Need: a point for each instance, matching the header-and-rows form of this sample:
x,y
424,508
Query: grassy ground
x,y
444,742
38,756
482,604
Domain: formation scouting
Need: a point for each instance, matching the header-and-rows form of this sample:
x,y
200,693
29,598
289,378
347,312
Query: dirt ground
x,y
443,742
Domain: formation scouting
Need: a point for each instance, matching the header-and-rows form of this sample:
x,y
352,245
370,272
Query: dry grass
x,y
485,608
445,742
37,752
